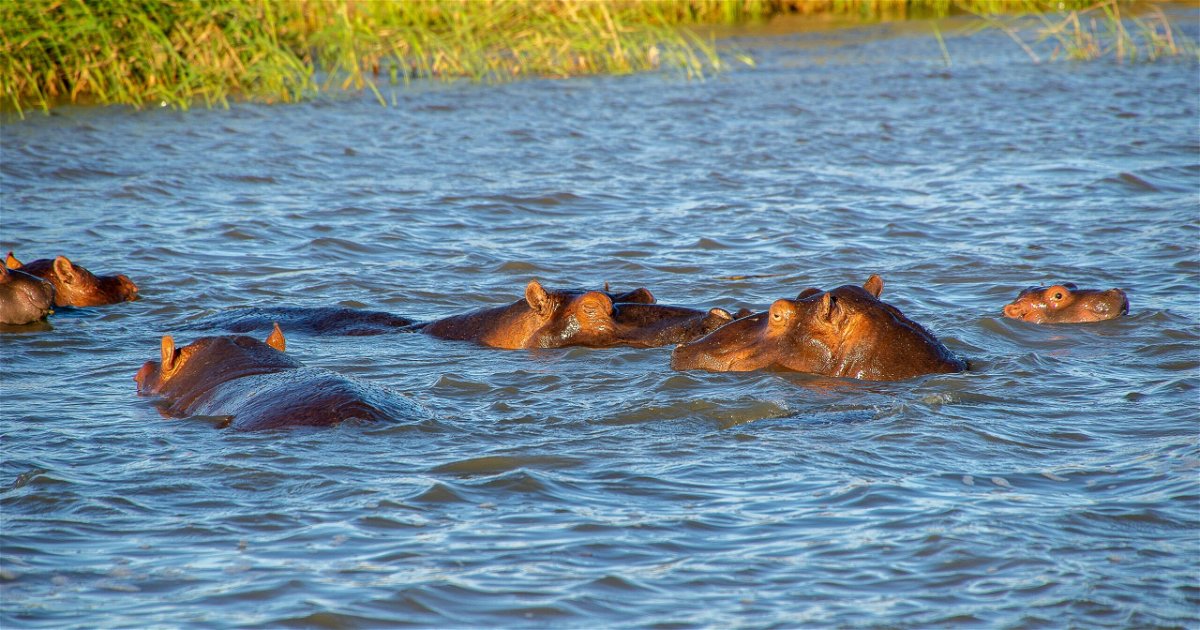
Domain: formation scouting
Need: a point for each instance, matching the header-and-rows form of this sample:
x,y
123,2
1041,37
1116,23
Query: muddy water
x,y
1055,484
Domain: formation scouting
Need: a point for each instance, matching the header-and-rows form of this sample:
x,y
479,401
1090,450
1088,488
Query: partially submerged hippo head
x,y
549,318
23,298
183,374
846,332
1067,304
76,286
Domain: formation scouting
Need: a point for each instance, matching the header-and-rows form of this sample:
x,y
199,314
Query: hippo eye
x,y
1058,295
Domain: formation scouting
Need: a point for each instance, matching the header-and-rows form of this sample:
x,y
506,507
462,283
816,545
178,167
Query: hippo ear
x,y
810,291
64,269
637,296
1071,285
168,353
538,299
825,306
874,285
4,273
743,312
276,340
11,262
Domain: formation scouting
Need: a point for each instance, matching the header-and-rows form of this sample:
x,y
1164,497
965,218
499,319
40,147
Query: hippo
x,y
654,325
256,385
1067,304
76,286
561,318
847,332
24,299
319,320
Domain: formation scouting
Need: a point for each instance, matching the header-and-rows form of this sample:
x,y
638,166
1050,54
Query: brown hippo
x,y
257,386
320,320
76,286
846,332
1067,304
560,318
23,298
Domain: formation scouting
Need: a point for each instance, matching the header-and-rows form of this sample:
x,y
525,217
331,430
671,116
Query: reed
x,y
181,52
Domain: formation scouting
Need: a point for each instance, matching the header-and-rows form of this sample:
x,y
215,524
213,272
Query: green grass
x,y
184,52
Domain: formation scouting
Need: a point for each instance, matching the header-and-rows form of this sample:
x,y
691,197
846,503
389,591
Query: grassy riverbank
x,y
181,52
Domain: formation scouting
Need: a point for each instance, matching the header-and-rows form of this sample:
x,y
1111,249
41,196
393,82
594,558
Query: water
x,y
1055,484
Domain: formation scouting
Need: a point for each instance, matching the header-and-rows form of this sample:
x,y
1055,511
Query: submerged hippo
x,y
76,286
559,318
257,386
1067,304
319,320
24,298
846,332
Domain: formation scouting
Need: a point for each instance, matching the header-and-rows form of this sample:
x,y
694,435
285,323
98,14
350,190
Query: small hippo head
x,y
23,298
569,318
209,361
1067,304
76,286
846,332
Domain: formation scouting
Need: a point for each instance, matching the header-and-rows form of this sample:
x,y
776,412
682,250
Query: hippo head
x,y
1067,304
595,319
569,318
846,332
207,362
76,286
23,298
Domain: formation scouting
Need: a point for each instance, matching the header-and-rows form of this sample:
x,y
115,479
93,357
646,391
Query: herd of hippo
x,y
845,332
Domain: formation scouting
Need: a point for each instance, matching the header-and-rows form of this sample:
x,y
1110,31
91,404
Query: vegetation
x,y
179,52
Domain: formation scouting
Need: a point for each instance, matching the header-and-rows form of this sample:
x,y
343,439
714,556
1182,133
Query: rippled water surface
x,y
1055,484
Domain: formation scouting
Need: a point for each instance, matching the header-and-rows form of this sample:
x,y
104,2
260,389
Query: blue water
x,y
1055,484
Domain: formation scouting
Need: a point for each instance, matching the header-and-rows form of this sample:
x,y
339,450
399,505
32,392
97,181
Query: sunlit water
x,y
1055,484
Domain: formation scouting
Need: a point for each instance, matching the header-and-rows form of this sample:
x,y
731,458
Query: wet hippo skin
x,y
1067,304
23,298
256,385
846,332
548,318
311,320
76,286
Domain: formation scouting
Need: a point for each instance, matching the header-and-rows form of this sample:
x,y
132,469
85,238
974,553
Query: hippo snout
x,y
1113,303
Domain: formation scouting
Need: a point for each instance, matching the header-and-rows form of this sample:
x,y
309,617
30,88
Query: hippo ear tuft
x,y
276,340
874,285
11,261
64,269
168,353
538,299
